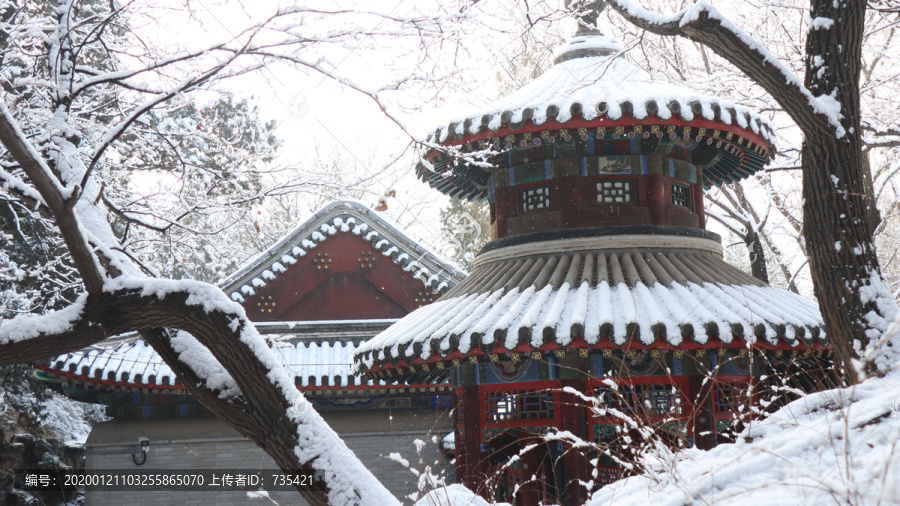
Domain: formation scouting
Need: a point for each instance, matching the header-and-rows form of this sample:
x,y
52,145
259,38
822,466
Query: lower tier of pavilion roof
x,y
602,291
319,353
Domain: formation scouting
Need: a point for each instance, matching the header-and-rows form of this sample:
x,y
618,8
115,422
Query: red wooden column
x,y
531,493
573,416
472,469
459,431
697,200
656,196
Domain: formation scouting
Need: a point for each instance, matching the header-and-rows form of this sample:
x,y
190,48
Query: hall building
x,y
342,276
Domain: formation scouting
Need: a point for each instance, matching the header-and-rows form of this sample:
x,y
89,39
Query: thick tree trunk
x,y
837,212
839,243
260,417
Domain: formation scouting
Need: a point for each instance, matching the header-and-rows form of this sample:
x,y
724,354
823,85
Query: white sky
x,y
311,109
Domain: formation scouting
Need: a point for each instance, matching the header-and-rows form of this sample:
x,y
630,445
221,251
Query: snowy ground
x,y
452,495
834,447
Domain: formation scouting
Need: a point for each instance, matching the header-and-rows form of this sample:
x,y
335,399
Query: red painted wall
x,y
573,204
343,278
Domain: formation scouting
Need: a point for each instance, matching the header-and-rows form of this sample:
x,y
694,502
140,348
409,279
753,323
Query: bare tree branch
x,y
703,23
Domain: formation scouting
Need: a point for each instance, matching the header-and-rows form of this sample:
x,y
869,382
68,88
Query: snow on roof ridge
x,y
134,363
332,219
708,310
595,85
599,43
688,297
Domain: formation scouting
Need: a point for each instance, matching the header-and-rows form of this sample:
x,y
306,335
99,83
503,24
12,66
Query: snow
x,y
647,301
600,42
448,442
338,218
600,85
259,494
28,326
878,323
396,457
317,443
202,362
820,23
834,447
823,104
16,182
316,364
68,419
452,495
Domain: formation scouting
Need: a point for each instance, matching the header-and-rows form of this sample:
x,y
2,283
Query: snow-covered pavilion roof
x,y
593,85
348,217
319,353
612,291
600,85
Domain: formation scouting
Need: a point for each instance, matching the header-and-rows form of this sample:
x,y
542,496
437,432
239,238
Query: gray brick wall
x,y
209,444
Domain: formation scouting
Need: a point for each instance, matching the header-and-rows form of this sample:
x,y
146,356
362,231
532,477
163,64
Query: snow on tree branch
x,y
703,23
883,136
58,198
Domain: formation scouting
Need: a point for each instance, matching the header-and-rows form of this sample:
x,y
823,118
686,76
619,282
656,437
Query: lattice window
x,y
537,197
613,192
622,399
728,397
658,399
519,405
681,196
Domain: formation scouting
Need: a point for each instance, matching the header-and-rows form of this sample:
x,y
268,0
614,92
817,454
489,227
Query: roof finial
x,y
588,41
590,10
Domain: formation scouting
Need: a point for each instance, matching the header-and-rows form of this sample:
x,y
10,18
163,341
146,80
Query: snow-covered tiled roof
x,y
592,90
598,292
319,353
348,217
600,85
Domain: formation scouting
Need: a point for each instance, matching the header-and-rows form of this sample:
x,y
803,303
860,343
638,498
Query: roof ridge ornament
x,y
588,40
590,12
